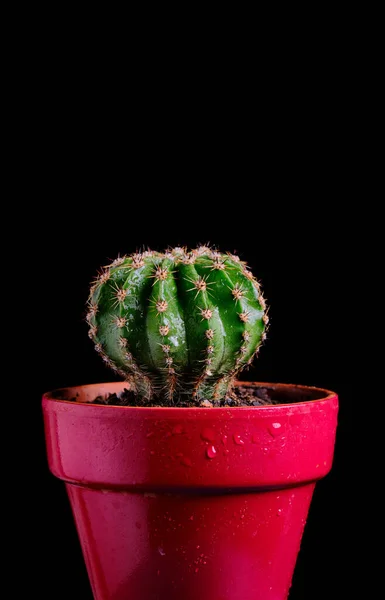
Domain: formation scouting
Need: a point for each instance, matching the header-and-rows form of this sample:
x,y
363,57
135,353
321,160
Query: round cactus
x,y
177,324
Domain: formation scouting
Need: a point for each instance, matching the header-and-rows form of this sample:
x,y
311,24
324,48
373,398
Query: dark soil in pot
x,y
241,396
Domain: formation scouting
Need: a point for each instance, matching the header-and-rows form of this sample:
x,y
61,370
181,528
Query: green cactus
x,y
178,324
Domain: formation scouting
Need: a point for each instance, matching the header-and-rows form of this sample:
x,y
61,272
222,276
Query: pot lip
x,y
328,395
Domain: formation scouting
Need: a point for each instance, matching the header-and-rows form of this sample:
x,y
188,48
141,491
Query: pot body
x,y
174,503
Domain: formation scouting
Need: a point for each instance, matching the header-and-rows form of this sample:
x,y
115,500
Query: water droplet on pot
x,y
275,429
238,440
186,461
161,551
208,434
150,434
224,439
255,439
211,452
279,512
178,429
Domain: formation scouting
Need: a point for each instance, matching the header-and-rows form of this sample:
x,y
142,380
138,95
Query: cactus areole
x,y
177,325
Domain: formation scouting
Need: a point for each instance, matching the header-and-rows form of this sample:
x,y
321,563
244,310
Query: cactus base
x,y
242,395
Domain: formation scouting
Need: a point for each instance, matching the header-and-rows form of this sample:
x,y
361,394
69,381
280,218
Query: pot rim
x,y
325,396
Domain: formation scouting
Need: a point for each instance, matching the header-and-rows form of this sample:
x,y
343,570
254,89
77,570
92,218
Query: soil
x,y
240,396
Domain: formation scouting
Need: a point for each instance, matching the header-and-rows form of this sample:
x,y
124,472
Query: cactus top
x,y
177,324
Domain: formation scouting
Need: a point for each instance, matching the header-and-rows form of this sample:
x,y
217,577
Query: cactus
x,y
177,324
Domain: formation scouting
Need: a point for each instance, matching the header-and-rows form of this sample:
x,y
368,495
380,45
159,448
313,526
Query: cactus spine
x,y
177,323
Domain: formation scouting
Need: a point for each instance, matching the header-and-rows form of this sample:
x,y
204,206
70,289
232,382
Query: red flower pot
x,y
188,503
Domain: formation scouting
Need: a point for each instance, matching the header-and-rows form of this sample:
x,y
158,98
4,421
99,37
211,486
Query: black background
x,y
296,241
272,150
